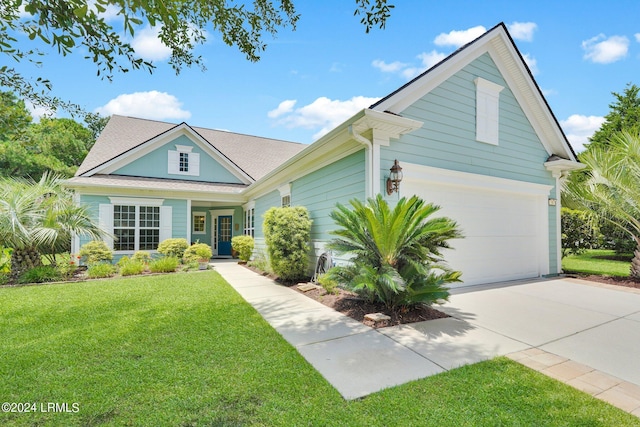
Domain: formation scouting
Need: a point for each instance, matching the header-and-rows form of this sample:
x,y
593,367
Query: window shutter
x,y
173,164
166,219
105,221
194,164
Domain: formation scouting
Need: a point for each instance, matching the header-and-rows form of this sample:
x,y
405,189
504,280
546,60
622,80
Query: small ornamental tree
x,y
579,231
396,254
287,232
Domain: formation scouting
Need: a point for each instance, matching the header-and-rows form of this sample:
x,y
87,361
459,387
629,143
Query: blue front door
x,y
224,235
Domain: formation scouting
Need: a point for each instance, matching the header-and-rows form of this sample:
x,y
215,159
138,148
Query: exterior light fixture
x,y
393,182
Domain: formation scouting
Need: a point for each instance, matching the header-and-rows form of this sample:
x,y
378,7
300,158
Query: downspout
x,y
369,161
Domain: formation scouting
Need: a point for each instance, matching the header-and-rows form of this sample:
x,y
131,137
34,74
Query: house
x,y
472,134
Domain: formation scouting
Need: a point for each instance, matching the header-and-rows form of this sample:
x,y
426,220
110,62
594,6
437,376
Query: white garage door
x,y
504,222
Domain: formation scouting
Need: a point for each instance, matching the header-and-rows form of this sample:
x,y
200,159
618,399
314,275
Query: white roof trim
x,y
139,151
513,69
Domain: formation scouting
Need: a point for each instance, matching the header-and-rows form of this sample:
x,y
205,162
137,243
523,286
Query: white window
x,y
249,221
285,195
183,161
199,223
487,110
136,224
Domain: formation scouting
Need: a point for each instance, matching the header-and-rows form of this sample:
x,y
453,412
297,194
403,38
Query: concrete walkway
x,y
536,323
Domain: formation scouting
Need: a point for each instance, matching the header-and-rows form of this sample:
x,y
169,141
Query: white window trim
x,y
173,161
487,110
193,222
285,190
105,218
249,209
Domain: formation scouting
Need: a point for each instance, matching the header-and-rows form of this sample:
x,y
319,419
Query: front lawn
x,y
598,261
185,349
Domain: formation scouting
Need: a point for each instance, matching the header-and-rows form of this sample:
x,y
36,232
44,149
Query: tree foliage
x,y
30,149
624,116
608,187
396,253
579,231
70,26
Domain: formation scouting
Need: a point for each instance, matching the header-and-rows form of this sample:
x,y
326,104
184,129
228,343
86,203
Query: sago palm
x,y
395,253
610,187
40,217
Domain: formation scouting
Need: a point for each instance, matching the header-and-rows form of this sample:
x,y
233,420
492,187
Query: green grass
x,y
186,350
598,261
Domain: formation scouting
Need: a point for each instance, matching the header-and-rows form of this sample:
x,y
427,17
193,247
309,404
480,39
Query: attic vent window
x,y
487,110
182,161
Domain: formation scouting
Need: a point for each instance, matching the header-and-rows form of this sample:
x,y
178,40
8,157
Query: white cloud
x,y
603,50
39,111
459,38
149,105
523,30
408,71
148,45
637,36
392,67
323,113
284,107
579,129
532,63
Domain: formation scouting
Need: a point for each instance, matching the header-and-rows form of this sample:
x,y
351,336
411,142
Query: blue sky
x,y
312,79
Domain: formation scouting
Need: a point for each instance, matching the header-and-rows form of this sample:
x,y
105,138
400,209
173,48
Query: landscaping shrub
x,y
100,270
579,231
200,252
328,284
287,232
130,267
40,274
167,264
96,251
4,278
142,256
66,265
244,246
396,253
173,247
259,262
5,259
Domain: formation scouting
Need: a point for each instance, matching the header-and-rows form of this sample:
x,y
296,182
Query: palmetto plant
x,y
396,253
39,218
610,186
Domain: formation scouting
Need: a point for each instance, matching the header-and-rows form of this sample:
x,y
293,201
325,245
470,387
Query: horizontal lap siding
x,y
447,138
321,190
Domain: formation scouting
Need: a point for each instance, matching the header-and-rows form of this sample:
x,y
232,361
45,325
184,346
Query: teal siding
x,y
321,190
447,138
92,203
155,165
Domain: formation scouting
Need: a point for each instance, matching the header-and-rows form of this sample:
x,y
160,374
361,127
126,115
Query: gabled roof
x,y
502,49
253,156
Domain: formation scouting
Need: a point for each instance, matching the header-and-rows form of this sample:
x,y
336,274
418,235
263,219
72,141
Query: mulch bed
x,y
351,305
609,280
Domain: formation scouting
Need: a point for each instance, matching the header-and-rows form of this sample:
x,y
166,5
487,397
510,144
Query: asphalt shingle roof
x,y
255,155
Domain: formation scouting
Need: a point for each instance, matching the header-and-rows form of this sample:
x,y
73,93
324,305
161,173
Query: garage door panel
x,y
500,228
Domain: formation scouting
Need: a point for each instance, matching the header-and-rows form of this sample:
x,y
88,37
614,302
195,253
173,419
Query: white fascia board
x,y
118,191
160,140
332,147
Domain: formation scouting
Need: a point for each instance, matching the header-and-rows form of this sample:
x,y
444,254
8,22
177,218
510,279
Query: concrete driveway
x,y
594,325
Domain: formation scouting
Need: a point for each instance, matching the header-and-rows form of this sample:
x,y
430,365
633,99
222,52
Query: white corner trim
x,y
422,173
249,205
135,201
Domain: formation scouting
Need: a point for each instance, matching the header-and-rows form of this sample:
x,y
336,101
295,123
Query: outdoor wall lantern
x,y
393,182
